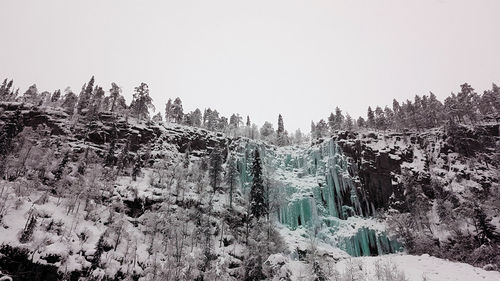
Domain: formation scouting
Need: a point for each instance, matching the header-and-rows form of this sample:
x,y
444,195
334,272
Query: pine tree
x,y
371,118
231,177
248,121
56,96
281,127
98,252
361,122
331,122
339,119
485,230
85,96
281,134
177,111
215,169
321,129
380,121
31,95
70,101
95,102
196,118
258,207
28,230
60,169
349,124
115,92
141,102
168,111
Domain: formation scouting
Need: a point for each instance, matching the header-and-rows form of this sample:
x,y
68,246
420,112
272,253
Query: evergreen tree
x,y
31,95
215,169
69,101
339,119
349,124
282,138
371,118
195,118
168,111
115,92
85,96
231,177
234,120
281,127
60,169
141,102
95,102
485,230
331,122
380,121
177,111
258,206
28,230
56,96
361,122
321,129
248,121
267,130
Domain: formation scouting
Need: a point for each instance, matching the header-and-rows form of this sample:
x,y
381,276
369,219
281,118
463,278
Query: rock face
x,y
377,168
99,133
380,159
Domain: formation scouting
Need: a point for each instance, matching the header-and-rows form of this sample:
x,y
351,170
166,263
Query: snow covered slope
x,y
416,268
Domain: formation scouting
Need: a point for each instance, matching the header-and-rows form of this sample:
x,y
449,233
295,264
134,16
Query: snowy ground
x,y
425,267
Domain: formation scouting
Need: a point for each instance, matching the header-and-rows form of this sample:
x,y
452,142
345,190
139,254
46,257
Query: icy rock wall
x,y
317,191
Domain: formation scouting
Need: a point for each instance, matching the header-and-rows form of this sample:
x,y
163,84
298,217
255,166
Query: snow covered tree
x,y
215,169
85,96
349,124
258,206
248,121
231,177
361,122
371,118
339,119
321,129
69,101
194,118
95,102
331,122
62,166
177,111
31,95
56,96
6,91
210,119
281,138
168,111
235,120
141,102
267,131
485,230
115,92
380,120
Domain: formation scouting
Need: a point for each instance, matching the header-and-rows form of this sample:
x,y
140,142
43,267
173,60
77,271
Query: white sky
x,y
297,58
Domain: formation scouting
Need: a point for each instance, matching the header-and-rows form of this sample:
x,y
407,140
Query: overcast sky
x,y
261,58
